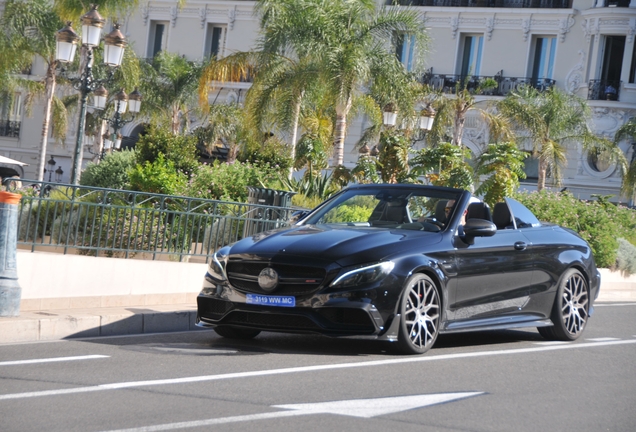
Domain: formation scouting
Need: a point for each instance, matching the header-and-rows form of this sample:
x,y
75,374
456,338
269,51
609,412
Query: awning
x,y
11,161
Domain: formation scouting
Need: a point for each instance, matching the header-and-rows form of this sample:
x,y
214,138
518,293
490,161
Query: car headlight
x,y
363,275
216,268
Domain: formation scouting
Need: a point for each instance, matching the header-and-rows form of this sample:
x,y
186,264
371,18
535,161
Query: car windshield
x,y
417,208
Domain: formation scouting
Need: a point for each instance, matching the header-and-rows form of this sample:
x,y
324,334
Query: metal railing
x,y
447,83
604,90
94,221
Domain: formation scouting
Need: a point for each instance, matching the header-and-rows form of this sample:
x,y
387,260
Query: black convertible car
x,y
403,263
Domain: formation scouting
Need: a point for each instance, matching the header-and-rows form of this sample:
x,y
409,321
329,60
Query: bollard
x,y
10,291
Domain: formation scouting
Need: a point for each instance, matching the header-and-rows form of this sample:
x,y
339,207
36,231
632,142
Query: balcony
x,y
447,83
9,128
603,90
537,4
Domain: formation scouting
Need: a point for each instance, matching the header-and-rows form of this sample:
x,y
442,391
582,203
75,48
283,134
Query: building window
x,y
543,58
613,50
10,114
215,41
632,69
404,50
472,47
158,40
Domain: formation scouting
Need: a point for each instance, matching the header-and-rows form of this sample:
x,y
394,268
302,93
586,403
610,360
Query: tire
x,y
570,311
236,333
420,308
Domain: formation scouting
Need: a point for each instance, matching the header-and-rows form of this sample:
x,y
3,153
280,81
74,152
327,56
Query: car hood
x,y
331,243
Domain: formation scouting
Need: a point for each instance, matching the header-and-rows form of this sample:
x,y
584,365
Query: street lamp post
x,y
51,164
114,44
123,103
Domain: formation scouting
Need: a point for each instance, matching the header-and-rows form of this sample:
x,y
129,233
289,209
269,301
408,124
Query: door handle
x,y
520,246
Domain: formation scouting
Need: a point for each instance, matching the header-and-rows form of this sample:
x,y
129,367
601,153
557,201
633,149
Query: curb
x,y
70,324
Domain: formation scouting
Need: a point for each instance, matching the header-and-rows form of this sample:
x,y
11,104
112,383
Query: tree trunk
x,y
458,132
342,110
294,136
175,121
542,174
49,89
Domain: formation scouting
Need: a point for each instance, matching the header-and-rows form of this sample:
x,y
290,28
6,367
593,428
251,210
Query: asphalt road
x,y
489,381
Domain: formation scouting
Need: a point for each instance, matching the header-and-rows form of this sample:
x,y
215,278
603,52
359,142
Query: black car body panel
x,y
344,276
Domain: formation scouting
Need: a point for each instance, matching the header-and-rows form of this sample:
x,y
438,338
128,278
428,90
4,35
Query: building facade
x,y
585,47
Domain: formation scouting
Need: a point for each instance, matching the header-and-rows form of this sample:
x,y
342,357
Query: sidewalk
x,y
56,324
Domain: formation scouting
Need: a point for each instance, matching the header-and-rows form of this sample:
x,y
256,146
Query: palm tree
x,y
352,46
503,164
628,130
551,119
69,10
452,110
170,89
28,31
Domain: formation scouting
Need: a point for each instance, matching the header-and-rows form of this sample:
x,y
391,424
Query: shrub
x,y
181,150
159,176
111,172
626,259
228,182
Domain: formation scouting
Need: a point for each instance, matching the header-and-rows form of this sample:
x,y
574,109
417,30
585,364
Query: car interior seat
x,y
478,210
395,211
440,211
501,216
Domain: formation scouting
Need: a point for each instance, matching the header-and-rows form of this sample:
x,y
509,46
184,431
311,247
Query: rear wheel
x,y
236,333
419,315
571,308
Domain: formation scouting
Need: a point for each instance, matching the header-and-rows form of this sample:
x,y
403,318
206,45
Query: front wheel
x,y
419,315
571,308
236,333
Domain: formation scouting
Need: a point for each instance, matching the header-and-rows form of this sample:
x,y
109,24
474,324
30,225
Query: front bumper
x,y
336,318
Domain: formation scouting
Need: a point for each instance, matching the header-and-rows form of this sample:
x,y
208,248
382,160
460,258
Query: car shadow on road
x,y
208,343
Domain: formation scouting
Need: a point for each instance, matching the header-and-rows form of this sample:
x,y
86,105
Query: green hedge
x,y
599,222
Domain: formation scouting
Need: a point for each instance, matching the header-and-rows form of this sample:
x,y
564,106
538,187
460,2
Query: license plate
x,y
281,301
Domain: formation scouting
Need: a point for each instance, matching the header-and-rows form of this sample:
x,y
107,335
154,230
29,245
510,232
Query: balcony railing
x,y
447,83
10,128
603,90
538,4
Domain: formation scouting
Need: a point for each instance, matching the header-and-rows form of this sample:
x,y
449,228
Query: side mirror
x,y
298,215
478,228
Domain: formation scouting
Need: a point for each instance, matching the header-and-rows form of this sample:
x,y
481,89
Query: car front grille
x,y
293,279
272,321
213,308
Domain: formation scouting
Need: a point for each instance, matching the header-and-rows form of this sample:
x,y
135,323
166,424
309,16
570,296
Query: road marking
x,y
53,359
602,339
133,384
550,343
363,408
614,304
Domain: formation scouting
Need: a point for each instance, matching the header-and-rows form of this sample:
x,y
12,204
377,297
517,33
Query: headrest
x,y
478,210
501,215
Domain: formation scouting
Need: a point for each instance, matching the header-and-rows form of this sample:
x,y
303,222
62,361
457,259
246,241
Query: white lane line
x,y
551,343
602,339
210,422
133,384
614,304
363,408
51,360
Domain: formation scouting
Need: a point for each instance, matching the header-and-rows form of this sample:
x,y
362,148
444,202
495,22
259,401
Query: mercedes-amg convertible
x,y
403,263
